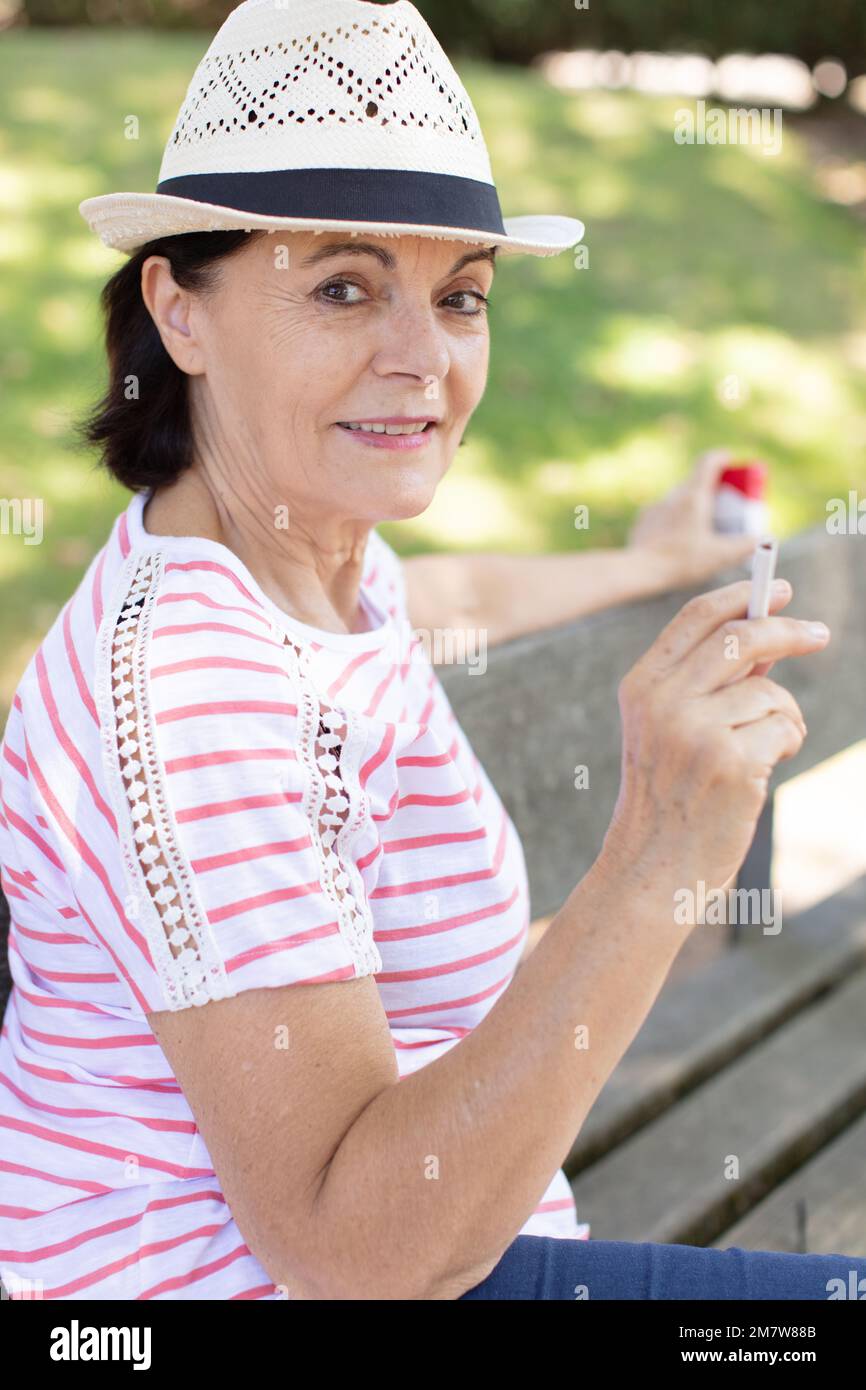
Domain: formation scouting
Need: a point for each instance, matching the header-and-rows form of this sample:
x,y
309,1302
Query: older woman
x,y
257,875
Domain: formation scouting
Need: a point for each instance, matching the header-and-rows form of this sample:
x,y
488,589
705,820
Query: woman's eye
x,y
481,301
339,285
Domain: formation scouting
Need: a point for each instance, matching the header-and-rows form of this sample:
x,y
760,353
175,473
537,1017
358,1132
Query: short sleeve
x,y
239,811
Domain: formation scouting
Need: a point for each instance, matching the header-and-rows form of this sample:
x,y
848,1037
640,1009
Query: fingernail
x,y
781,586
818,630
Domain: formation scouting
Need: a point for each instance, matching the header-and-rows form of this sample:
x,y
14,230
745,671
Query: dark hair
x,y
145,439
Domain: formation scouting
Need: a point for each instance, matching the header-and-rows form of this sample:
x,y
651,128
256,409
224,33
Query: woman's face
x,y
308,334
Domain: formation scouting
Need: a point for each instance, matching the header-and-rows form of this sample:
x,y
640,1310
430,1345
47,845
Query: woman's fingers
x,y
740,644
701,617
770,740
763,668
709,465
703,729
750,700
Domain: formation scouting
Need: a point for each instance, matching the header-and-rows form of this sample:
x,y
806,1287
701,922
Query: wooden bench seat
x,y
708,1018
829,1192
771,1109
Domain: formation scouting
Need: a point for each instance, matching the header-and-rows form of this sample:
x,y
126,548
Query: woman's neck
x,y
187,507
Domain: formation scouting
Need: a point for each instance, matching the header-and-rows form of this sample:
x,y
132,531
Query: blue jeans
x,y
551,1267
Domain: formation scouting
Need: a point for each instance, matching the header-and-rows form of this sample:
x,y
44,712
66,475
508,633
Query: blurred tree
x,y
516,31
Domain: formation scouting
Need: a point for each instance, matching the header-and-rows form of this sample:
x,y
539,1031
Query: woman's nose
x,y
413,343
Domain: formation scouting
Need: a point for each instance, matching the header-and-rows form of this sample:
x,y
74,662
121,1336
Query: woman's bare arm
x,y
672,545
347,1183
508,596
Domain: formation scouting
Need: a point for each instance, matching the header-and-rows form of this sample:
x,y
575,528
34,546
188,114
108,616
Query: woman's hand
x,y
680,526
702,732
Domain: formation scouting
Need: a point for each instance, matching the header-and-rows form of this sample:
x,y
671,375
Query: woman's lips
x,y
390,441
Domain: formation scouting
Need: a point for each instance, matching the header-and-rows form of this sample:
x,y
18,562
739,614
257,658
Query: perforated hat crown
x,y
326,115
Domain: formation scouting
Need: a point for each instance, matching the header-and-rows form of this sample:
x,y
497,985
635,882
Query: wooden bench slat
x,y
833,1186
772,1109
705,1020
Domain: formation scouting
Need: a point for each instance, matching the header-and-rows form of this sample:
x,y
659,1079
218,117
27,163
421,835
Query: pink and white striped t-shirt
x,y
201,795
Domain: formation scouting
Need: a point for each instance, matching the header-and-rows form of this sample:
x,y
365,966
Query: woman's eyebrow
x,y
386,258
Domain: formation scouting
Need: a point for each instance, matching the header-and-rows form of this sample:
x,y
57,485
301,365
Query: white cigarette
x,y
763,569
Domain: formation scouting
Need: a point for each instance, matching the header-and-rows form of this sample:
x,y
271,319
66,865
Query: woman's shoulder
x,y
191,593
193,645
182,620
201,574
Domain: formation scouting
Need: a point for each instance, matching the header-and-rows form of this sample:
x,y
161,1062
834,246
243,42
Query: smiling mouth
x,y
415,427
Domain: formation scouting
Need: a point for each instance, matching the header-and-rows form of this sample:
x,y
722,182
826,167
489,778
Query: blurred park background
x,y
722,301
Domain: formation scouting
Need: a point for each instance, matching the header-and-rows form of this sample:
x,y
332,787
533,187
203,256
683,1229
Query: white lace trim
x,y
164,902
330,745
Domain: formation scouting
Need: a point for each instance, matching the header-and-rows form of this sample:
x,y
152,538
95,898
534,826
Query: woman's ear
x,y
169,307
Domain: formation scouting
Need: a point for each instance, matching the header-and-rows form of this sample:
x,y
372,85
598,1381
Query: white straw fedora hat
x,y
326,115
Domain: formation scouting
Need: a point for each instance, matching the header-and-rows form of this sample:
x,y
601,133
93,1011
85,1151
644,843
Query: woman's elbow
x,y
336,1270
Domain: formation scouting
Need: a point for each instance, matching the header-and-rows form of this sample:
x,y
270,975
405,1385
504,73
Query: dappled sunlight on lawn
x,y
646,355
473,510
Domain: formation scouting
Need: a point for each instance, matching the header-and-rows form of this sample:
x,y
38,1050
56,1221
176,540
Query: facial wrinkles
x,y
279,380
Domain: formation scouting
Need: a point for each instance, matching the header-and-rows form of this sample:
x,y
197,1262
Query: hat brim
x,y
126,221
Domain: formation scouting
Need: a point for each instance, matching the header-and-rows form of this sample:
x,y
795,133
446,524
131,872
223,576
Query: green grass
x,y
708,265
